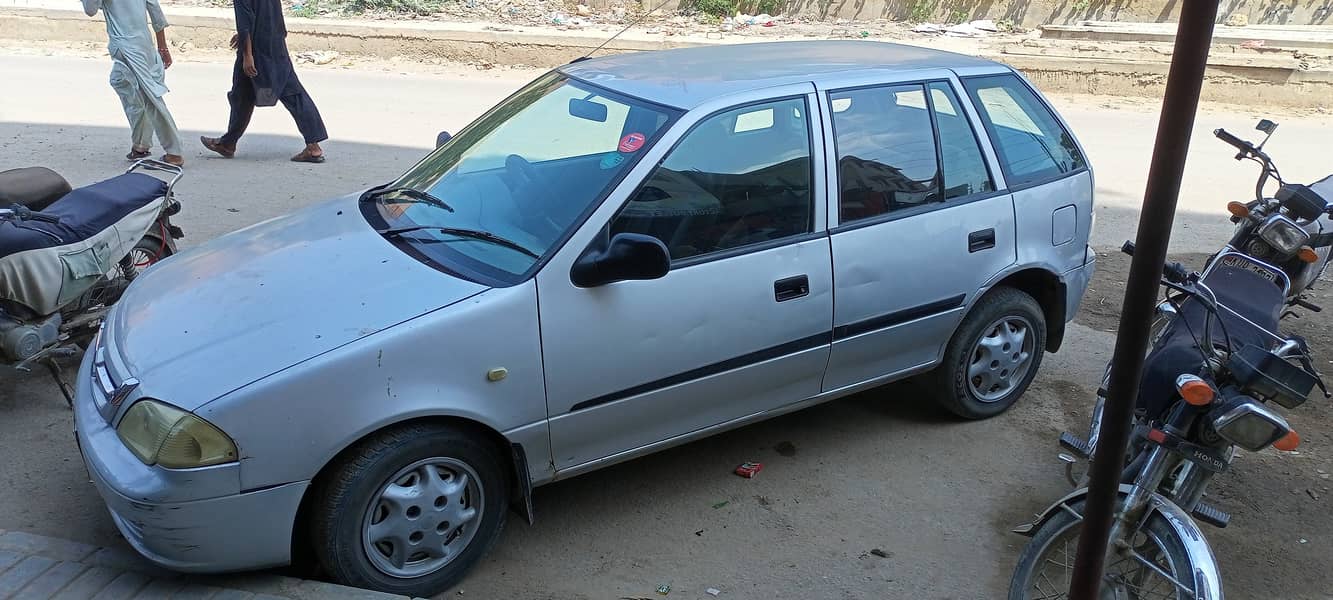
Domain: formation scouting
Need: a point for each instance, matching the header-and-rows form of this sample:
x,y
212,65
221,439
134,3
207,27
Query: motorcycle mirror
x,y
1268,127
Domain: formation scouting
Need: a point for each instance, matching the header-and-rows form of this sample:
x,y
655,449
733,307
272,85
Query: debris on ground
x,y
1237,20
317,57
664,589
749,469
712,591
721,504
1312,494
980,28
880,553
1252,44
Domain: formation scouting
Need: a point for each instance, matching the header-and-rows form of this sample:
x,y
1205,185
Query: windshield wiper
x,y
413,193
474,234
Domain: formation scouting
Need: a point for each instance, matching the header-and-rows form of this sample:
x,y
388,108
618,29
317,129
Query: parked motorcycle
x,y
1209,379
1291,229
67,255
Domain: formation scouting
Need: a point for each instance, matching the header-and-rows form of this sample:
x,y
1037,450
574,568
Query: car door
x,y
920,226
739,325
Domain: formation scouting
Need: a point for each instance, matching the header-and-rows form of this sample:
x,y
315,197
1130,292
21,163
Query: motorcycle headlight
x,y
1283,234
1246,423
160,434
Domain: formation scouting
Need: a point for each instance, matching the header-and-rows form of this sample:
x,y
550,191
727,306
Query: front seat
x,y
33,187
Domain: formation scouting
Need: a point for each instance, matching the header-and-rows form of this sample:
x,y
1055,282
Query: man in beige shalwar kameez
x,y
138,73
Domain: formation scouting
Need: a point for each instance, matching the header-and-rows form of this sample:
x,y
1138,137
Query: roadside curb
x,y
37,567
1232,76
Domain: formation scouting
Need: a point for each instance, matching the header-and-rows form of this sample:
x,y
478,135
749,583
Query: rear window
x,y
1032,144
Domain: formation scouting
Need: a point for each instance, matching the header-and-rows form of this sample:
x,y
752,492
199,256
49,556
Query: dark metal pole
x,y
1193,36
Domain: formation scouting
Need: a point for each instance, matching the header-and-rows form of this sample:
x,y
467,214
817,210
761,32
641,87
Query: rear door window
x,y
1032,144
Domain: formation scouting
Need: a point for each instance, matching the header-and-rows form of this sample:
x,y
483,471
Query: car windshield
x,y
501,194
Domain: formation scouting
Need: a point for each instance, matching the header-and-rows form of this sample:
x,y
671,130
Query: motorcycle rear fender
x,y
1207,576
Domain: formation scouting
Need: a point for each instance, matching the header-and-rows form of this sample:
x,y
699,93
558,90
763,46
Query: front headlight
x,y
165,435
1248,424
1283,234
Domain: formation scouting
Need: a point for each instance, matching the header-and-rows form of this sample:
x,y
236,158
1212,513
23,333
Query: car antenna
x,y
618,33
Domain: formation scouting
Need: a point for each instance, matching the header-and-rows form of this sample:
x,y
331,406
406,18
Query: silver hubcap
x,y
423,517
1001,358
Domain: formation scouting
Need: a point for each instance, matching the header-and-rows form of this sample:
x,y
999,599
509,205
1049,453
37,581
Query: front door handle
x,y
791,288
980,240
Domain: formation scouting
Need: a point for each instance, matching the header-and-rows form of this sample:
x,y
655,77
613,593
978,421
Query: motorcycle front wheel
x,y
1157,569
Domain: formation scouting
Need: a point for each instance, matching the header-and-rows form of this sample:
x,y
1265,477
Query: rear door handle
x,y
980,240
791,288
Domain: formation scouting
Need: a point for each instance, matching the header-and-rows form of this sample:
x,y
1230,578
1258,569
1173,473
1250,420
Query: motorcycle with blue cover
x,y
1216,367
67,255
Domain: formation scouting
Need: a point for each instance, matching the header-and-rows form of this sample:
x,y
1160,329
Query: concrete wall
x,y
1031,13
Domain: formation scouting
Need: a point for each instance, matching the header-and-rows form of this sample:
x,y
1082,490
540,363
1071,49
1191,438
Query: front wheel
x,y
993,355
1156,567
410,510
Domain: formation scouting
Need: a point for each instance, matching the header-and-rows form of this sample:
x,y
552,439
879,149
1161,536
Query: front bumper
x,y
191,520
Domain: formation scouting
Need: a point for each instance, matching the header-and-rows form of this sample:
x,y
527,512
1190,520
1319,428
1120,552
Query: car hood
x,y
256,301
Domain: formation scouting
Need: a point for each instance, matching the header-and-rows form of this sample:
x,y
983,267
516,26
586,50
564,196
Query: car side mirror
x,y
442,138
627,257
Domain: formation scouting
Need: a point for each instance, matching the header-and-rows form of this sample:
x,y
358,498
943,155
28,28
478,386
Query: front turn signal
x,y
1288,442
1238,209
1307,254
1194,390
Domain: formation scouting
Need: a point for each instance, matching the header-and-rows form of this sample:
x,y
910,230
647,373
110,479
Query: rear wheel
x,y
993,355
1158,557
146,253
411,510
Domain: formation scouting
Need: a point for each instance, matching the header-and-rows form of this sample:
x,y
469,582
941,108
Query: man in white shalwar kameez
x,y
138,73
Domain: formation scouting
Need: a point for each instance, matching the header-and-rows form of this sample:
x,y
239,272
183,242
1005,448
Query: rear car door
x,y
920,227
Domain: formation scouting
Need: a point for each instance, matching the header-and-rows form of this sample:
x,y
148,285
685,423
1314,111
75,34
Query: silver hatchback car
x,y
629,253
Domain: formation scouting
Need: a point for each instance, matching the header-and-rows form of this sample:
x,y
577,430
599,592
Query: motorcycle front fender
x,y
1207,575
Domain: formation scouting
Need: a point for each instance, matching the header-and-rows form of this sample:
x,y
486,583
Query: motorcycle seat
x,y
83,213
1177,352
33,187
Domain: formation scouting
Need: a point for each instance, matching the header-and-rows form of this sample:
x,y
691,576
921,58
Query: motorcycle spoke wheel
x,y
1154,567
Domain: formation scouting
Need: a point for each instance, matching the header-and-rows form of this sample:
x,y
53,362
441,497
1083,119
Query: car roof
x,y
688,77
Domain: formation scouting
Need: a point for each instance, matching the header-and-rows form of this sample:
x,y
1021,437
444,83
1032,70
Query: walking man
x,y
138,73
263,76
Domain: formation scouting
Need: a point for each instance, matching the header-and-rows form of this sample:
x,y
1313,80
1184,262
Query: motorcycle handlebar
x,y
1173,271
1242,145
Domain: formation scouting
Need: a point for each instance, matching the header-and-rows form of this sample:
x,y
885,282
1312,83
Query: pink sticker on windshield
x,y
631,142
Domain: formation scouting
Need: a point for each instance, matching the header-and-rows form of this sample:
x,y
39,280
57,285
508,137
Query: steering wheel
x,y
527,188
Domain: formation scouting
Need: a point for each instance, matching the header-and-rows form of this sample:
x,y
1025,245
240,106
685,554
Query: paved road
x,y
937,494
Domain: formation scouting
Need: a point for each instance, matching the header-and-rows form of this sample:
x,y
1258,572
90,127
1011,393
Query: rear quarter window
x,y
1032,144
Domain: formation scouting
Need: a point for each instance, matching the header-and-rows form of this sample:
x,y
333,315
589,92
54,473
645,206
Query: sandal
x,y
173,159
306,157
137,154
216,145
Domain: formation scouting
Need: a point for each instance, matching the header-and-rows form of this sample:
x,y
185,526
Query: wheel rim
x,y
1001,358
423,517
1136,574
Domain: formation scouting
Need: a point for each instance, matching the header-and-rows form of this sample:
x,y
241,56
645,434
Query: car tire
x,y
992,356
380,520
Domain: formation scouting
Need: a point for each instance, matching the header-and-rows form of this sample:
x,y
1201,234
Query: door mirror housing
x,y
626,257
442,138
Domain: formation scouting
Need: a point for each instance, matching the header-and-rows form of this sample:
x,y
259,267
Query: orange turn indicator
x,y
1238,209
1307,254
1157,436
1288,442
1196,392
